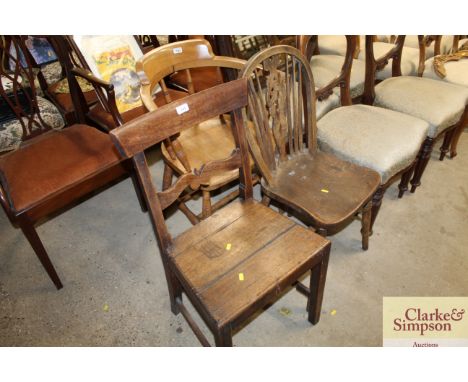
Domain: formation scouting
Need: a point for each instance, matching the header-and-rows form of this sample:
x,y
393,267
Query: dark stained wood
x,y
282,134
52,170
241,257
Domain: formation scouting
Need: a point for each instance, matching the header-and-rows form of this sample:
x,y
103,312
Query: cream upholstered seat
x,y
325,67
323,107
445,45
439,103
457,71
377,138
334,44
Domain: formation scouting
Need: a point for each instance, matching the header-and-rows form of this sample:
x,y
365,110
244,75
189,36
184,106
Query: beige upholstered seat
x,y
323,107
457,71
325,67
380,139
445,45
439,103
335,44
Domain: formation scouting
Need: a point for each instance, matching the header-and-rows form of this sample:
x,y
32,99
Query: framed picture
x,y
113,59
41,52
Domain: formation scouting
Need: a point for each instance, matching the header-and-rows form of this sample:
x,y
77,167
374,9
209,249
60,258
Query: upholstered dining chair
x,y
239,259
49,167
202,143
385,141
319,188
329,69
451,68
443,105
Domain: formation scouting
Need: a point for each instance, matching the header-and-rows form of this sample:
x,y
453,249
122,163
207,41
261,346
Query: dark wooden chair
x,y
443,105
383,140
200,144
52,168
322,189
242,257
104,114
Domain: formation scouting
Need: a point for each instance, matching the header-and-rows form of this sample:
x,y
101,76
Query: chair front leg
x,y
366,224
223,337
376,204
29,231
423,159
318,277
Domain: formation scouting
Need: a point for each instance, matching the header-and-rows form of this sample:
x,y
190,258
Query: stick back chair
x,y
322,189
443,105
202,143
242,257
51,169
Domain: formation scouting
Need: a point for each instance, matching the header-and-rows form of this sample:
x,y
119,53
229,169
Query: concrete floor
x,y
115,294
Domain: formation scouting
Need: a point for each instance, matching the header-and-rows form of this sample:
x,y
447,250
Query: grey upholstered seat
x,y
457,71
380,139
437,102
325,67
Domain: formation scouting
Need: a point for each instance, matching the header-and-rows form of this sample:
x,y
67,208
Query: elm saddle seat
x,y
267,252
53,162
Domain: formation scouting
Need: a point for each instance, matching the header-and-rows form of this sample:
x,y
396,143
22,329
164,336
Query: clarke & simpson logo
x,y
425,321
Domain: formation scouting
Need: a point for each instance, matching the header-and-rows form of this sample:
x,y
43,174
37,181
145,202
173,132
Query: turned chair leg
x,y
376,204
206,204
446,144
366,224
457,134
167,177
318,276
223,337
423,158
30,232
404,181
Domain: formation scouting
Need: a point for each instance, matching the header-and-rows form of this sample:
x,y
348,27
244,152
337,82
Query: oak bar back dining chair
x,y
325,191
242,257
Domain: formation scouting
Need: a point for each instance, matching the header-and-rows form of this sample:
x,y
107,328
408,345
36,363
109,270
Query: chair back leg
x,y
318,277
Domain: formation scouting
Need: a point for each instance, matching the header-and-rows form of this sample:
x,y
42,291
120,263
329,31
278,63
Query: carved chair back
x,y
17,86
374,64
145,131
308,45
281,110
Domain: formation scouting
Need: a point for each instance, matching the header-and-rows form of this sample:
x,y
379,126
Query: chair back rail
x,y
281,107
154,66
147,130
308,45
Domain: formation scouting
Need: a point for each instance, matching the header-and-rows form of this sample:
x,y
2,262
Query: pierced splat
x,y
21,93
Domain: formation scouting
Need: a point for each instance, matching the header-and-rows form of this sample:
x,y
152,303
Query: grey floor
x,y
115,294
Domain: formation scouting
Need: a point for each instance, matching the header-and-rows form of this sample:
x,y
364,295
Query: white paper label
x,y
177,50
182,109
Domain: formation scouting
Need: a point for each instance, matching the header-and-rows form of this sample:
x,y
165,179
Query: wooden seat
x,y
210,141
243,256
283,140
